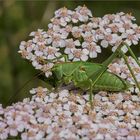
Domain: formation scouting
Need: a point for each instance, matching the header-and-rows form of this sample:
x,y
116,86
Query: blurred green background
x,y
18,18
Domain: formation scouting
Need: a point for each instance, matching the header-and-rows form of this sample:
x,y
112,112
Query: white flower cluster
x,y
118,28
67,116
120,68
78,35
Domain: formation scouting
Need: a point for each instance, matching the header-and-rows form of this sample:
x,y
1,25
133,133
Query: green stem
x,y
133,55
132,73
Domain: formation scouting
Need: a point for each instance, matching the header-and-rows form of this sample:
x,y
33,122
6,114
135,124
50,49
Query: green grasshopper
x,y
92,76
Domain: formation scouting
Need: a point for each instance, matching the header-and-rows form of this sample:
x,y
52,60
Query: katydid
x,y
79,73
92,76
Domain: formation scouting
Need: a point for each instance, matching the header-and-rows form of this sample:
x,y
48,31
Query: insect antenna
x,y
20,89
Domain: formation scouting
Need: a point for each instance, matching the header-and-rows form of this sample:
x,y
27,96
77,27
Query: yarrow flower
x,y
78,54
80,36
92,49
64,115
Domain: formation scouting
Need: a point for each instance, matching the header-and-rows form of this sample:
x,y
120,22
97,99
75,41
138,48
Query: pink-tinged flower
x,y
63,93
95,22
127,17
76,32
41,116
3,131
32,135
99,136
78,54
37,33
92,49
117,17
57,40
39,37
68,28
130,38
115,68
15,127
55,21
87,27
109,17
84,13
71,44
132,135
124,27
54,28
123,131
64,15
88,37
27,55
99,34
26,49
38,51
112,28
28,46
65,32
104,22
75,17
109,39
137,31
47,69
51,52
36,63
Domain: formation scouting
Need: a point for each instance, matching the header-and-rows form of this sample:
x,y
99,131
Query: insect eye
x,y
82,68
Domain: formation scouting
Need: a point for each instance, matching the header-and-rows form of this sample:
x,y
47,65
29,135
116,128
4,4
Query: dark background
x,y
18,18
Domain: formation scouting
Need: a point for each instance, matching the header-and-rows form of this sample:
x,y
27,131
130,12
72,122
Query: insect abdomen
x,y
110,82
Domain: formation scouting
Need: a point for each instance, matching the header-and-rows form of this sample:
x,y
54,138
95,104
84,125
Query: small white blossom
x,y
92,48
70,44
84,13
78,54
